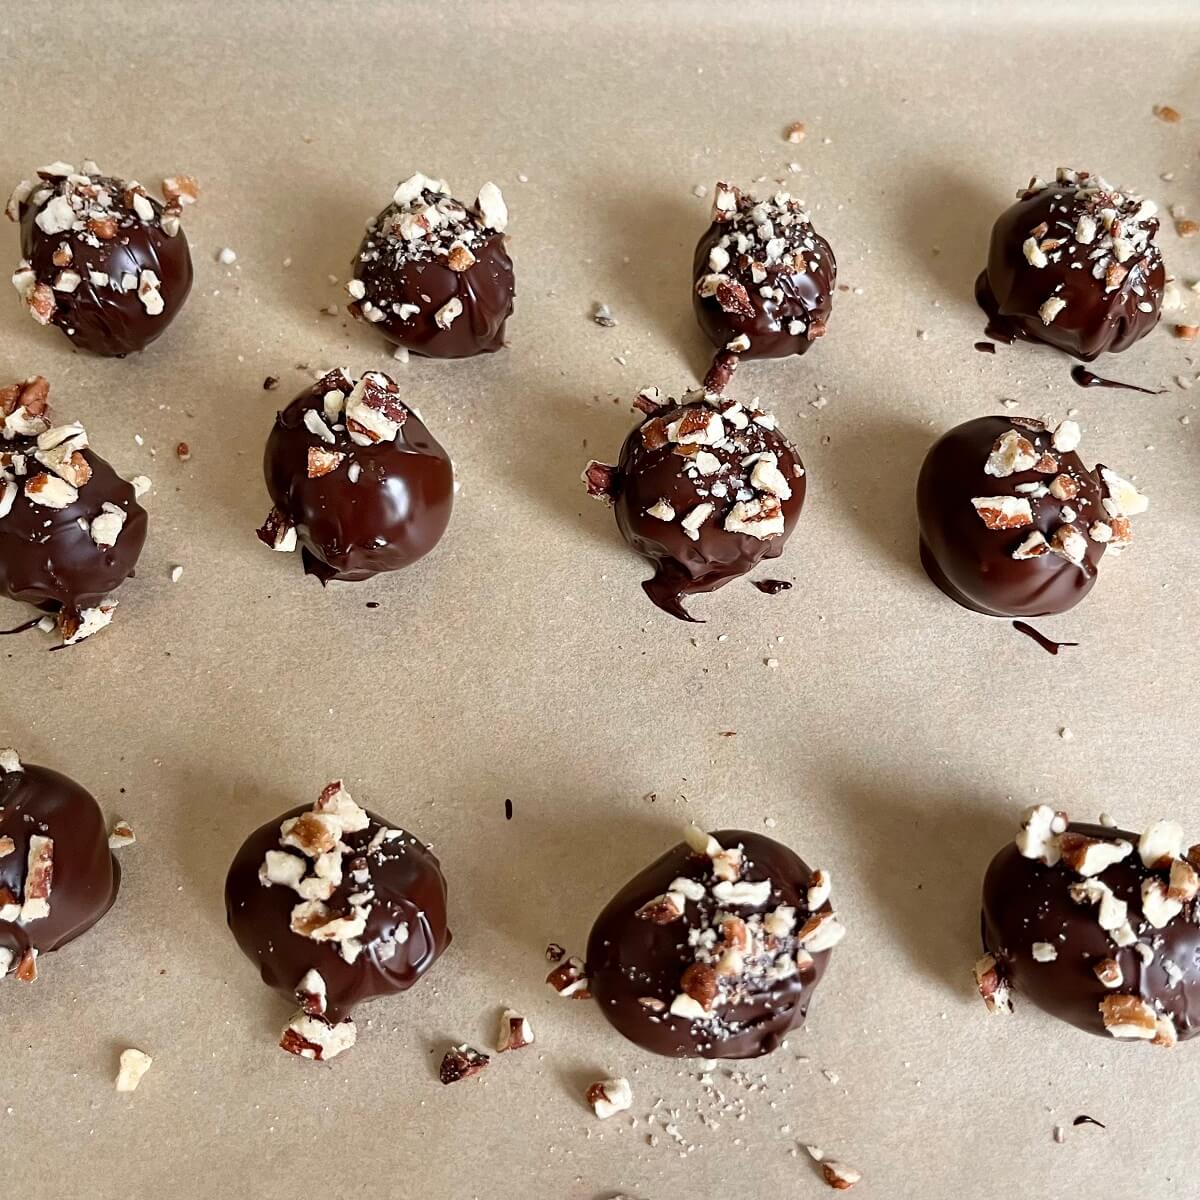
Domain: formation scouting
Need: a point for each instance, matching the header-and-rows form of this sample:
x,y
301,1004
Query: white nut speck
x,y
134,1064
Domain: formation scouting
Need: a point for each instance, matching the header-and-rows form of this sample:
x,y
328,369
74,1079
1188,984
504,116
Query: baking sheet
x,y
892,743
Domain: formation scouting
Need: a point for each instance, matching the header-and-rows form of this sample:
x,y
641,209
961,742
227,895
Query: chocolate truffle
x,y
103,260
1095,925
434,276
71,528
356,479
763,276
706,489
335,906
715,949
57,874
1074,264
1012,523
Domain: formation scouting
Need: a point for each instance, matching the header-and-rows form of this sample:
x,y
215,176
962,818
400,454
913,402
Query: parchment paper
x,y
892,743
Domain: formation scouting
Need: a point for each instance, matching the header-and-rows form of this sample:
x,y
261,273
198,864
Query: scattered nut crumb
x,y
461,1062
227,256
602,316
176,573
1164,112
183,452
134,1064
795,132
121,835
270,383
609,1097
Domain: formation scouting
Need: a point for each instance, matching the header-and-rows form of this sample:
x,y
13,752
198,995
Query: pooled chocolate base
x,y
1026,902
36,802
405,932
635,965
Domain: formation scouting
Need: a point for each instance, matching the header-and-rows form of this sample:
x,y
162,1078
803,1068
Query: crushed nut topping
x,y
1129,1017
730,455
993,985
88,208
738,953
569,979
1096,228
764,244
331,877
1026,447
424,223
315,1038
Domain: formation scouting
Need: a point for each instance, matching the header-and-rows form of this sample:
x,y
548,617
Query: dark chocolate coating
x,y
101,319
409,891
46,559
973,564
1011,291
395,514
86,877
630,958
808,296
1024,901
486,291
683,567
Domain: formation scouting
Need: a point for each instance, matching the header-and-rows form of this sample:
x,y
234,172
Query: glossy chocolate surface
x,y
38,802
973,564
1093,248
631,959
395,512
654,469
126,276
1025,901
50,557
405,931
403,280
770,245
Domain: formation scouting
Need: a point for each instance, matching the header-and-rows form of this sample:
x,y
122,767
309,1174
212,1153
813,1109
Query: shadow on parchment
x,y
924,851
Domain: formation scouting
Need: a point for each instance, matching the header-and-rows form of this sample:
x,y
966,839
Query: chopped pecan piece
x,y
461,1062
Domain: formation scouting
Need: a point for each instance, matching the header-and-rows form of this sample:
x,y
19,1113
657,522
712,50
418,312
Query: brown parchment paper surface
x,y
892,742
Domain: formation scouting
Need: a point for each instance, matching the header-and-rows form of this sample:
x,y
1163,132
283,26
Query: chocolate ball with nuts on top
x,y
71,529
358,482
58,876
102,259
763,278
715,949
1012,524
335,907
706,489
1074,264
1096,926
432,274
